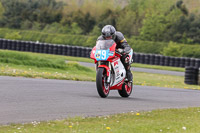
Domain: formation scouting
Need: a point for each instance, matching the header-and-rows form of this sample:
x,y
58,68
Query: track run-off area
x,y
25,100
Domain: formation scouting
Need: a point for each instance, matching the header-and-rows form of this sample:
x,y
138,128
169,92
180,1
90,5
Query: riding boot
x,y
129,74
125,61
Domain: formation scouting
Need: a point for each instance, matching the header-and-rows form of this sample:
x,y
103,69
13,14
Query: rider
x,y
109,32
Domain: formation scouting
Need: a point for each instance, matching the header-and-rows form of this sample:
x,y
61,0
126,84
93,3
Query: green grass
x,y
165,121
34,65
160,80
74,73
33,59
159,67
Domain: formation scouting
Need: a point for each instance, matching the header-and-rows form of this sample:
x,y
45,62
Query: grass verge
x,y
160,80
34,65
74,73
159,67
165,121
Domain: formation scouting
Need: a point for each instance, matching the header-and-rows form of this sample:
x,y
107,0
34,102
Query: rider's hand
x,y
121,50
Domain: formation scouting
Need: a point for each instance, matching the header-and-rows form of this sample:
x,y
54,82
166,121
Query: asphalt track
x,y
25,100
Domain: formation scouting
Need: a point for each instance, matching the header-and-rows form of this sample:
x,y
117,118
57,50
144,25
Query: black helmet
x,y
108,31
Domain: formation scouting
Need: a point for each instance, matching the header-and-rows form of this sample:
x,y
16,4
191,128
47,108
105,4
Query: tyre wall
x,y
46,48
152,59
192,75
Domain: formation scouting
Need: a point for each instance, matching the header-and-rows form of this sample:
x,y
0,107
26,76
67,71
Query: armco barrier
x,y
77,51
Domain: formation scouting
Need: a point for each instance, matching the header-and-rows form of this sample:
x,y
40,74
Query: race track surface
x,y
25,100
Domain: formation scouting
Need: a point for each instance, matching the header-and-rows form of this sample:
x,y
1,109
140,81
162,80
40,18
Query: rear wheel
x,y
103,87
126,89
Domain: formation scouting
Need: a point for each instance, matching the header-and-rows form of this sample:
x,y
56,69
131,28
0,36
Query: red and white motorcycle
x,y
111,74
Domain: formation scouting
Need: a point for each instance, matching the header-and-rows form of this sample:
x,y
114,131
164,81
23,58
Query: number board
x,y
103,54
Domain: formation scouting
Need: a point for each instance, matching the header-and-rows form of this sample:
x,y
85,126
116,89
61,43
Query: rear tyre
x,y
126,89
103,88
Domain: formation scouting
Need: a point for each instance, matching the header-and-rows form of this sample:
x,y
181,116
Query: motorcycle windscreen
x,y
103,49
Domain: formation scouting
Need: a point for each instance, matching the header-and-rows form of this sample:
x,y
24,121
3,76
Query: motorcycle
x,y
110,72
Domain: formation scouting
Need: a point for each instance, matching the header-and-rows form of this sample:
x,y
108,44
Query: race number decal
x,y
102,55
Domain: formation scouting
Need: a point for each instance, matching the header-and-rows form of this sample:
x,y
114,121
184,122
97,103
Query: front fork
x,y
109,76
108,64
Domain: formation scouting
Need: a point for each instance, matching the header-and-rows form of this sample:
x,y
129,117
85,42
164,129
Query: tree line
x,y
149,20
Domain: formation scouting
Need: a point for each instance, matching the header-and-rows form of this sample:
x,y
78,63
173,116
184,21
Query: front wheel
x,y
103,87
126,89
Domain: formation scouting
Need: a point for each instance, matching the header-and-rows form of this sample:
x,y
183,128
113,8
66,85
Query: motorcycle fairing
x,y
131,56
119,71
93,53
104,54
107,69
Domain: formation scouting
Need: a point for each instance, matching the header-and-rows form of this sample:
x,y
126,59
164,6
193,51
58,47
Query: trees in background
x,y
149,20
185,30
1,10
30,13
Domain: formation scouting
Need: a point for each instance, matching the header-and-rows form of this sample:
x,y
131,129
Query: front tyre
x,y
126,89
103,87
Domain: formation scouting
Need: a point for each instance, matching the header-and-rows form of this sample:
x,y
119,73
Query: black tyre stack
x,y
1,43
197,63
63,50
27,46
32,46
4,44
82,54
167,60
68,50
199,77
162,60
135,57
192,61
177,62
45,49
187,62
182,62
13,46
152,59
172,61
146,59
87,52
191,75
8,44
157,59
22,45
142,58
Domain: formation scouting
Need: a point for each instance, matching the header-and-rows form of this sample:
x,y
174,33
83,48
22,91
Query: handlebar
x,y
119,51
116,51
